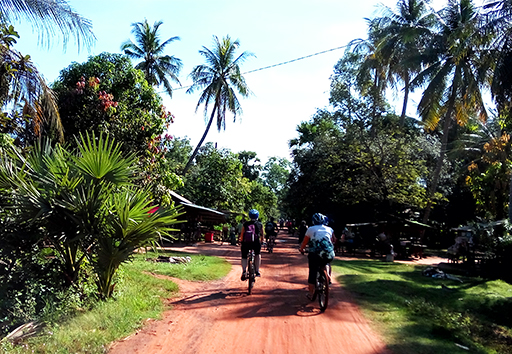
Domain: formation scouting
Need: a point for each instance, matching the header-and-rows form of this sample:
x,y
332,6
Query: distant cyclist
x,y
251,238
320,238
270,230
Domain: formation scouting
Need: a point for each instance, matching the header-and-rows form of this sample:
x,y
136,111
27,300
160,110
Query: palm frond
x,y
49,17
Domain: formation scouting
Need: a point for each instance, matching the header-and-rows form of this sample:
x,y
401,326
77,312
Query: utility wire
x,y
294,60
279,64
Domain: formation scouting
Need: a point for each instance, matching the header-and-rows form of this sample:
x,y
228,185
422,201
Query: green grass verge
x,y
138,298
418,314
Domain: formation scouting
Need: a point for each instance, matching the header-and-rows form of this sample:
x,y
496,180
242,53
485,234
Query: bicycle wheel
x,y
323,290
252,276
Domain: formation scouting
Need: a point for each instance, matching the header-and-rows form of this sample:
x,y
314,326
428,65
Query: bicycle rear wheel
x,y
252,276
323,290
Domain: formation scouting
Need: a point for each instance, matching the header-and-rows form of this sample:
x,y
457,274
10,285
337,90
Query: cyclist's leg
x,y
245,250
257,257
313,263
328,267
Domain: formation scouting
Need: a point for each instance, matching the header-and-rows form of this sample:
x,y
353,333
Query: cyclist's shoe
x,y
258,274
244,276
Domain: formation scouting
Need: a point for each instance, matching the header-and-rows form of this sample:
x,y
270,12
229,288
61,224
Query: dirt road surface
x,y
277,318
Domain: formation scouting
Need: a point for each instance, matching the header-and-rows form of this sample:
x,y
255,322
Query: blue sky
x,y
275,31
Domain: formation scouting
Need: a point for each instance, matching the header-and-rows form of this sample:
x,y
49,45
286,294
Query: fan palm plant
x,y
219,78
86,204
156,66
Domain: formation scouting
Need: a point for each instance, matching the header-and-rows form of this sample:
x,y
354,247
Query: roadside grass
x,y
419,314
202,268
138,298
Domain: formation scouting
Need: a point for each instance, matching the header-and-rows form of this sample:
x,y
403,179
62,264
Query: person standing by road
x,y
319,238
251,238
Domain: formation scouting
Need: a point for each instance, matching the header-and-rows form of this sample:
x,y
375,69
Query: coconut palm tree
x,y
156,66
403,33
453,80
24,91
371,75
48,17
219,77
499,25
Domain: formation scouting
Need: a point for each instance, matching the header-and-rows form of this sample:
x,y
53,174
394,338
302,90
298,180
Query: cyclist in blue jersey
x,y
319,238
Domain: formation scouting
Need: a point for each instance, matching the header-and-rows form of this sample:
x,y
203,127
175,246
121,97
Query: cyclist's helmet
x,y
254,214
319,219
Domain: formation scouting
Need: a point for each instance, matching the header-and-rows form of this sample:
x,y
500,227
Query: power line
x,y
294,60
279,64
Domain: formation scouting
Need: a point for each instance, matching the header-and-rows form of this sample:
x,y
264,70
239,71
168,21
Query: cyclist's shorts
x,y
246,246
314,262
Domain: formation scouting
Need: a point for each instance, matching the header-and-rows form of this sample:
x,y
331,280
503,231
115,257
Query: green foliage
x,y
344,169
216,181
85,205
138,298
251,171
107,95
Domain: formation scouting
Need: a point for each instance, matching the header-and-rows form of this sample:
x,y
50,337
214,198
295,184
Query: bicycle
x,y
251,271
271,243
321,286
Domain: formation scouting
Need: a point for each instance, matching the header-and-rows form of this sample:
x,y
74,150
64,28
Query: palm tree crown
x,y
220,77
156,66
454,77
47,16
403,34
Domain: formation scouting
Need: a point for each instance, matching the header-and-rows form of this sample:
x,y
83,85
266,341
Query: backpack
x,y
326,250
250,233
269,228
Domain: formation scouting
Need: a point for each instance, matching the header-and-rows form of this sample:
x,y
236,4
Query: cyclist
x,y
251,238
270,230
319,237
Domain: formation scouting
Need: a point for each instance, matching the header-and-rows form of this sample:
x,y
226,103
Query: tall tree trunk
x,y
196,150
440,159
406,99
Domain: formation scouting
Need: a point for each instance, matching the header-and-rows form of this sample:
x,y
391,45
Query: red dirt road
x,y
219,316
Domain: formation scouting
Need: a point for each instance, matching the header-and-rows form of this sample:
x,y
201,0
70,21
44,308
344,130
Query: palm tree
x,y
219,77
22,85
403,34
371,74
47,16
156,66
499,26
454,81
